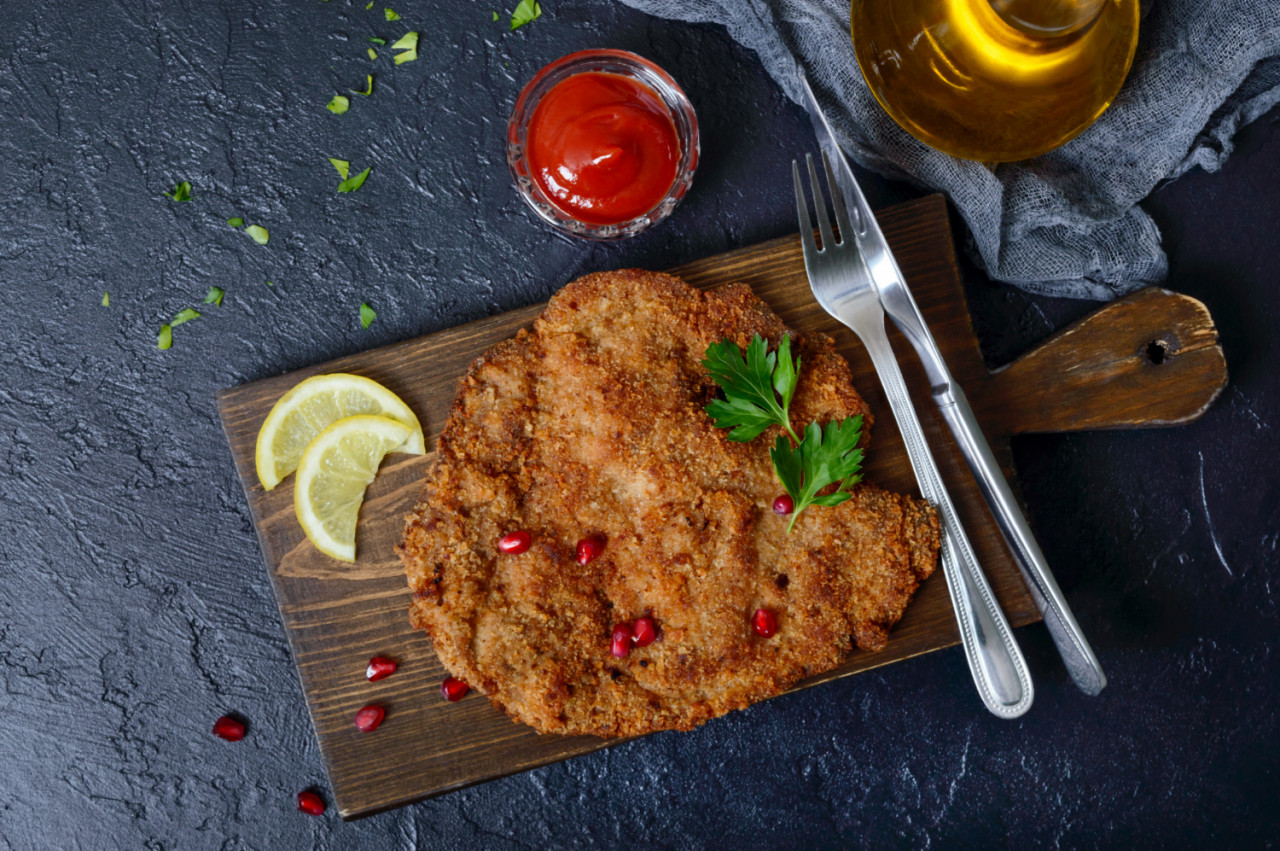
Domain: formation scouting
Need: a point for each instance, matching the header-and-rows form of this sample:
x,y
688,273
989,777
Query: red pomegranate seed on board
x,y
588,548
454,689
514,543
380,667
231,729
368,719
643,632
784,505
620,641
310,803
763,623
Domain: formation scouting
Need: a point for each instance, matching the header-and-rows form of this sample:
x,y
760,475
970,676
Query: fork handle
x,y
994,658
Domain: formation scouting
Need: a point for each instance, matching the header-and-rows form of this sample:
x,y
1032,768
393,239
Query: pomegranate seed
x,y
514,543
380,667
310,803
454,689
231,729
620,642
764,623
368,719
589,548
643,632
784,505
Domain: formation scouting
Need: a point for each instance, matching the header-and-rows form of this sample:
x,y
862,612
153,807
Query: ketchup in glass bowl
x,y
602,144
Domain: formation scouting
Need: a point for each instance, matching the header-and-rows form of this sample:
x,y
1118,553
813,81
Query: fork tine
x,y
837,201
819,201
802,210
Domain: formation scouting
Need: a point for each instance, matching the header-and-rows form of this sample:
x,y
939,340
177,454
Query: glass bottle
x,y
994,80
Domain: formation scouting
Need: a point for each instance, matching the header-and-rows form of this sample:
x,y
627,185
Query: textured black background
x,y
134,608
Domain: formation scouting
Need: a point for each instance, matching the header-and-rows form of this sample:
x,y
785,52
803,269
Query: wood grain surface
x,y
1149,359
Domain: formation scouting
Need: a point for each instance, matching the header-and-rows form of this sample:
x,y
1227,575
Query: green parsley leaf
x,y
351,184
165,340
259,234
215,296
752,386
495,16
369,5
409,44
181,192
377,40
339,104
758,387
106,300
373,54
526,11
408,41
367,315
185,315
820,460
390,14
343,167
236,222
368,88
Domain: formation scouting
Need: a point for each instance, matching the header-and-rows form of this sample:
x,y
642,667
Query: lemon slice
x,y
332,476
314,404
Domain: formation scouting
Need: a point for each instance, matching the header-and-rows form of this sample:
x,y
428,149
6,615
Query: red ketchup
x,y
602,148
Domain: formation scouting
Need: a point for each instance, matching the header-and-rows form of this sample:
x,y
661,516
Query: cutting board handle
x,y
1149,359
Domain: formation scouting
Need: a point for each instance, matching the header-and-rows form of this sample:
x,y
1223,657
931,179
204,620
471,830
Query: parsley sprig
x,y
758,387
752,386
821,459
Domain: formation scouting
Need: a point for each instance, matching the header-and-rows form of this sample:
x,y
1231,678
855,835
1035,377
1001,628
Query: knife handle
x,y
1076,653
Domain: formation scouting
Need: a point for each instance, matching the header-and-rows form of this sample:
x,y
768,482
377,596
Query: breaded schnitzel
x,y
592,424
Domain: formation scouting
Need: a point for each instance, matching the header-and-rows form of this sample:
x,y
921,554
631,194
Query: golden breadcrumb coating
x,y
593,424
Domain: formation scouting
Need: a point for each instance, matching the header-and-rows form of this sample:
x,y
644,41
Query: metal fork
x,y
843,286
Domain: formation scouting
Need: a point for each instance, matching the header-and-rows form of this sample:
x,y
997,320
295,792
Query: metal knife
x,y
1078,656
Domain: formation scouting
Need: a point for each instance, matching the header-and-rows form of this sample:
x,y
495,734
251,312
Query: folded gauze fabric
x,y
1066,223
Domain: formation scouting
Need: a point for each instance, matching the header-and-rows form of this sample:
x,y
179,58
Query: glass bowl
x,y
623,64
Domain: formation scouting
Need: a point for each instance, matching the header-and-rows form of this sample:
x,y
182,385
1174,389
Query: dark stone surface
x,y
134,608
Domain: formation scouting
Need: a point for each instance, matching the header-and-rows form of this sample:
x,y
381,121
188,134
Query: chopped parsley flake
x,y
408,41
343,167
495,16
215,296
377,40
259,234
106,300
409,44
368,86
185,315
373,54
270,284
351,184
181,192
528,10
367,315
338,105
236,222
165,340
369,5
390,14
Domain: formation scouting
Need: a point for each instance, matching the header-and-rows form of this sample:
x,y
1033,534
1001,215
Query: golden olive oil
x,y
995,80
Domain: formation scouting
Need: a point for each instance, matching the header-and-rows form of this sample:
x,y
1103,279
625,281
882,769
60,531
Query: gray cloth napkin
x,y
1066,223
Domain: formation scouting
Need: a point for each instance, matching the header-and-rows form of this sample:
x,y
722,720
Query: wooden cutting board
x,y
1150,359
